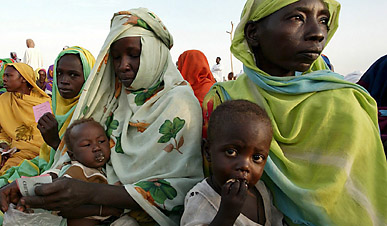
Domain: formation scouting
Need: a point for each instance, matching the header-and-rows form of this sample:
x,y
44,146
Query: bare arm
x,y
90,210
66,193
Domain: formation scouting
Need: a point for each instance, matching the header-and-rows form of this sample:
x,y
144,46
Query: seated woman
x,y
194,68
375,81
17,122
326,164
154,123
73,67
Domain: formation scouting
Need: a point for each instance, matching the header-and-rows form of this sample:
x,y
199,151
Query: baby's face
x,y
90,145
239,151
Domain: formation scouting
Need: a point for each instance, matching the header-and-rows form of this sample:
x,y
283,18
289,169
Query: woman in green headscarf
x,y
72,68
326,164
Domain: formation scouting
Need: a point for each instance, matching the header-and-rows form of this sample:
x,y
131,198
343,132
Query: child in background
x,y
89,150
239,138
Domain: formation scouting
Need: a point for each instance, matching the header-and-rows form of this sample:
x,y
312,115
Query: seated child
x,y
89,150
239,137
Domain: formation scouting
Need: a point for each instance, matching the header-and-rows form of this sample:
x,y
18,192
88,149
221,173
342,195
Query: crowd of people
x,y
136,139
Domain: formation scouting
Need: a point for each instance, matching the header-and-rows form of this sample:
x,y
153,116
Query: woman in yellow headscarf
x,y
326,164
18,128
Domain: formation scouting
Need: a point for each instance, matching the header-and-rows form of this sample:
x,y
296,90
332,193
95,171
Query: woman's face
x,y
69,76
42,75
126,54
290,39
13,81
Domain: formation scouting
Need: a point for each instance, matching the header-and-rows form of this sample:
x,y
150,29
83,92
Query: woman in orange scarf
x,y
18,128
193,65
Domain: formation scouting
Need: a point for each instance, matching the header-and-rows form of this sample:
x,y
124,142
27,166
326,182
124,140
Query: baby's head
x,y
87,143
239,137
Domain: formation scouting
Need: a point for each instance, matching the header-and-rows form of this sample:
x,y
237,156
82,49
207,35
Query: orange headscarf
x,y
193,65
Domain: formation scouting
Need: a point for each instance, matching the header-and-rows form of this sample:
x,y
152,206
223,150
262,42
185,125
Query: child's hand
x,y
234,193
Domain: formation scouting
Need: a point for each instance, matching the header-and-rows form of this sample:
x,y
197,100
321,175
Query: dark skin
x,y
66,194
126,59
290,39
237,156
41,80
70,80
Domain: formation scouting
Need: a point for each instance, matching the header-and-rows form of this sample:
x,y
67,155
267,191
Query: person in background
x,y
41,76
326,164
32,55
49,80
14,57
194,68
375,81
230,76
239,137
18,128
328,62
217,70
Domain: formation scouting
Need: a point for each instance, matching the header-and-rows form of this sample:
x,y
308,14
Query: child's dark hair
x,y
235,110
69,129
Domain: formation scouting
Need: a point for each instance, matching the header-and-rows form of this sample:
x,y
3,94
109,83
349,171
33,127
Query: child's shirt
x,y
202,204
78,171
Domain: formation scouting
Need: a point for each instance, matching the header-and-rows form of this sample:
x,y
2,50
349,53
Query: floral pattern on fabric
x,y
169,130
141,126
159,190
24,133
144,95
134,20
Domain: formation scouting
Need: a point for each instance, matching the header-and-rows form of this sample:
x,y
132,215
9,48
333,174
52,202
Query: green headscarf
x,y
255,10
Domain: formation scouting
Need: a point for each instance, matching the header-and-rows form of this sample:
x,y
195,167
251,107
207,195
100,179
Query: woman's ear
x,y
206,150
251,34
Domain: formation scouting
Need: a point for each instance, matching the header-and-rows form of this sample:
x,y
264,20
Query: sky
x,y
194,24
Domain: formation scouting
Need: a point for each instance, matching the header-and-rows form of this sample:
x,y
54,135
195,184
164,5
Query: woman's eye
x,y
324,20
231,152
258,158
298,18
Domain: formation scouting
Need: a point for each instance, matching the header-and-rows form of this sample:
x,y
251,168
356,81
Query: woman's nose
x,y
315,30
124,64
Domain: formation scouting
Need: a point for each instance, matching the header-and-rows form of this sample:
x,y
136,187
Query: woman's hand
x,y
48,127
9,193
62,194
